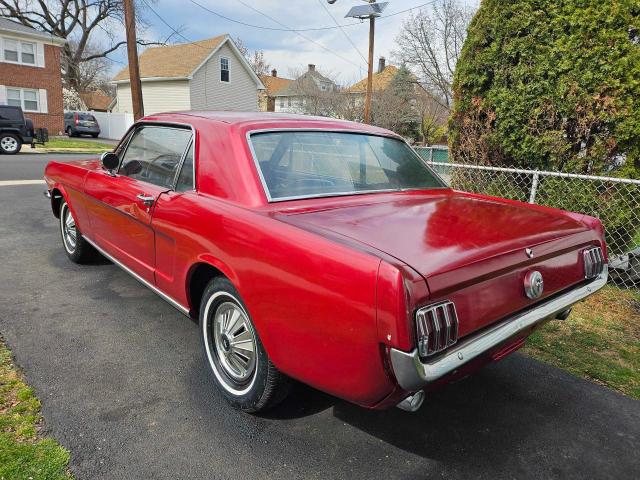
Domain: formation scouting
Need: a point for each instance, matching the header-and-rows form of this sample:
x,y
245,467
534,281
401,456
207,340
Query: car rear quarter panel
x,y
312,300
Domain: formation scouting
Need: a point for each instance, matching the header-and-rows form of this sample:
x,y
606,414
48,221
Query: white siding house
x,y
207,75
310,84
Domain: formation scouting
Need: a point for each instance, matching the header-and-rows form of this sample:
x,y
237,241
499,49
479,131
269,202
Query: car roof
x,y
268,119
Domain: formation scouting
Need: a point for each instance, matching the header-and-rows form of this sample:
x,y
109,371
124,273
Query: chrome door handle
x,y
146,199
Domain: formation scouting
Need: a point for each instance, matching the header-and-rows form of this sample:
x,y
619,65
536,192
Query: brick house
x,y
30,74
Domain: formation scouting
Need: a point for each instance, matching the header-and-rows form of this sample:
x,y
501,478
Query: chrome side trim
x,y
153,288
413,374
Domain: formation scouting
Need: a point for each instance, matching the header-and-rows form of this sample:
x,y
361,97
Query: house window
x,y
13,97
224,69
11,50
282,103
19,52
24,98
289,101
28,53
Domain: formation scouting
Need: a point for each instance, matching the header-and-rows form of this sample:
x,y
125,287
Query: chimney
x,y
381,64
274,73
312,67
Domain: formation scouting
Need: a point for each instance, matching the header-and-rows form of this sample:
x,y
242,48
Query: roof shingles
x,y
380,81
274,84
173,61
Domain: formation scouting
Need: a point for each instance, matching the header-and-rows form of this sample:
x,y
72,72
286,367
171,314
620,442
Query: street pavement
x,y
123,386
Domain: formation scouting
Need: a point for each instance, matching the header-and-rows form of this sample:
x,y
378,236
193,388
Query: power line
x,y
296,32
343,31
264,27
285,28
169,26
408,9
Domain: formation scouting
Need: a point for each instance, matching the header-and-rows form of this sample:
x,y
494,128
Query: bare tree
x,y
255,58
80,22
430,43
315,93
433,116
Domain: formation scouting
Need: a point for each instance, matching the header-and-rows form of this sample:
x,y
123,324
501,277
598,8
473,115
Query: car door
x,y
121,204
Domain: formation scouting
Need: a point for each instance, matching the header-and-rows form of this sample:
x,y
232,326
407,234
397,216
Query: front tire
x,y
241,368
10,144
76,247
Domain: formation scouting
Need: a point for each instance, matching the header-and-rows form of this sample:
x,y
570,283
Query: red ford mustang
x,y
324,251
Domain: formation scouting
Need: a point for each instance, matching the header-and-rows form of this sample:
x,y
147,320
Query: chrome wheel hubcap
x,y
9,144
235,342
69,232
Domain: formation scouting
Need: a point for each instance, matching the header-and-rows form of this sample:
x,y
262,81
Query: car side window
x,y
153,154
185,179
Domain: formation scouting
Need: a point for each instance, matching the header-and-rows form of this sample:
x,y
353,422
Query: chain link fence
x,y
615,201
434,153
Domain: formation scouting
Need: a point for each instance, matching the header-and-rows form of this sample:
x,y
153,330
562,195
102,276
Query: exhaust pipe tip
x,y
412,403
563,315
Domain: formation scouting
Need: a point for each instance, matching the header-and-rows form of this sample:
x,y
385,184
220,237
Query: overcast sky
x,y
288,52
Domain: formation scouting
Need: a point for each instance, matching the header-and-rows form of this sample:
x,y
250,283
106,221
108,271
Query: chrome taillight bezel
x,y
593,260
436,328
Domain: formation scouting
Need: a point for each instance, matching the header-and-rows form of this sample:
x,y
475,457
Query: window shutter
x,y
42,97
3,95
40,54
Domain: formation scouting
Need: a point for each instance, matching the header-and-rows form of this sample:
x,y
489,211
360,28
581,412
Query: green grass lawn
x,y
76,145
599,341
24,454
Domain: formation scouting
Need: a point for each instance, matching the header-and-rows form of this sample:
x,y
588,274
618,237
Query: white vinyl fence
x,y
113,125
615,201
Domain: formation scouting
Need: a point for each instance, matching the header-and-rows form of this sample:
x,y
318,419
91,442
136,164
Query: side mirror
x,y
110,160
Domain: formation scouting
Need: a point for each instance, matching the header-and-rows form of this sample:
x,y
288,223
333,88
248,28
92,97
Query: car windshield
x,y
299,164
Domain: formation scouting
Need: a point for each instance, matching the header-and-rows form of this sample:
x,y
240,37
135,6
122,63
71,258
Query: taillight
x,y
593,262
436,328
76,119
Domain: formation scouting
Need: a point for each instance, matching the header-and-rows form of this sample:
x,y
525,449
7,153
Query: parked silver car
x,y
80,123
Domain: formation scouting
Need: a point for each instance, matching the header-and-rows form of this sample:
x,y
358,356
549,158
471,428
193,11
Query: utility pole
x,y
367,98
372,11
132,53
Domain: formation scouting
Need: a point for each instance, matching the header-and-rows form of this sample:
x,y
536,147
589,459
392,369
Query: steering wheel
x,y
150,163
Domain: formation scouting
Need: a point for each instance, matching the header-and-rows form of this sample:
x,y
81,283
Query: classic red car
x,y
323,251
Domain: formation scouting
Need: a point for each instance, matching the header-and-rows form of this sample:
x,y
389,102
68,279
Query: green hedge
x,y
550,85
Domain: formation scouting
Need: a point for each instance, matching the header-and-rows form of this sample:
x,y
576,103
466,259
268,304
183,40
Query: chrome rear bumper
x,y
414,374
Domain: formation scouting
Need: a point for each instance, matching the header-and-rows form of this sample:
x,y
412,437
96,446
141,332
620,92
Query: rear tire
x,y
10,143
75,246
94,135
240,366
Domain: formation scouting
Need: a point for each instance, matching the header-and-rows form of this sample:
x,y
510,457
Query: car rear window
x,y
301,164
86,116
10,113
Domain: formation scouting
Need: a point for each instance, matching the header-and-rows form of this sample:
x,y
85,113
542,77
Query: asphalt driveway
x,y
123,387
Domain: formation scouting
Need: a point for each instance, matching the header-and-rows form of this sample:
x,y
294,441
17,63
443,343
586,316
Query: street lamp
x,y
370,11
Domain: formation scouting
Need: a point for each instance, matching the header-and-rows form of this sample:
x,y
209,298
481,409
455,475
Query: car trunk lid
x,y
470,249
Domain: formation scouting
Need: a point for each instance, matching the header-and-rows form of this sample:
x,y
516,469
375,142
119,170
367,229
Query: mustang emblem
x,y
533,284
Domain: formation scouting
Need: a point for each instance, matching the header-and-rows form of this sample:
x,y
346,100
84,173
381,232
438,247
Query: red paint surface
x,y
330,283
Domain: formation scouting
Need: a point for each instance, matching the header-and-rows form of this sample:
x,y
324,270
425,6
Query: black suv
x,y
15,130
